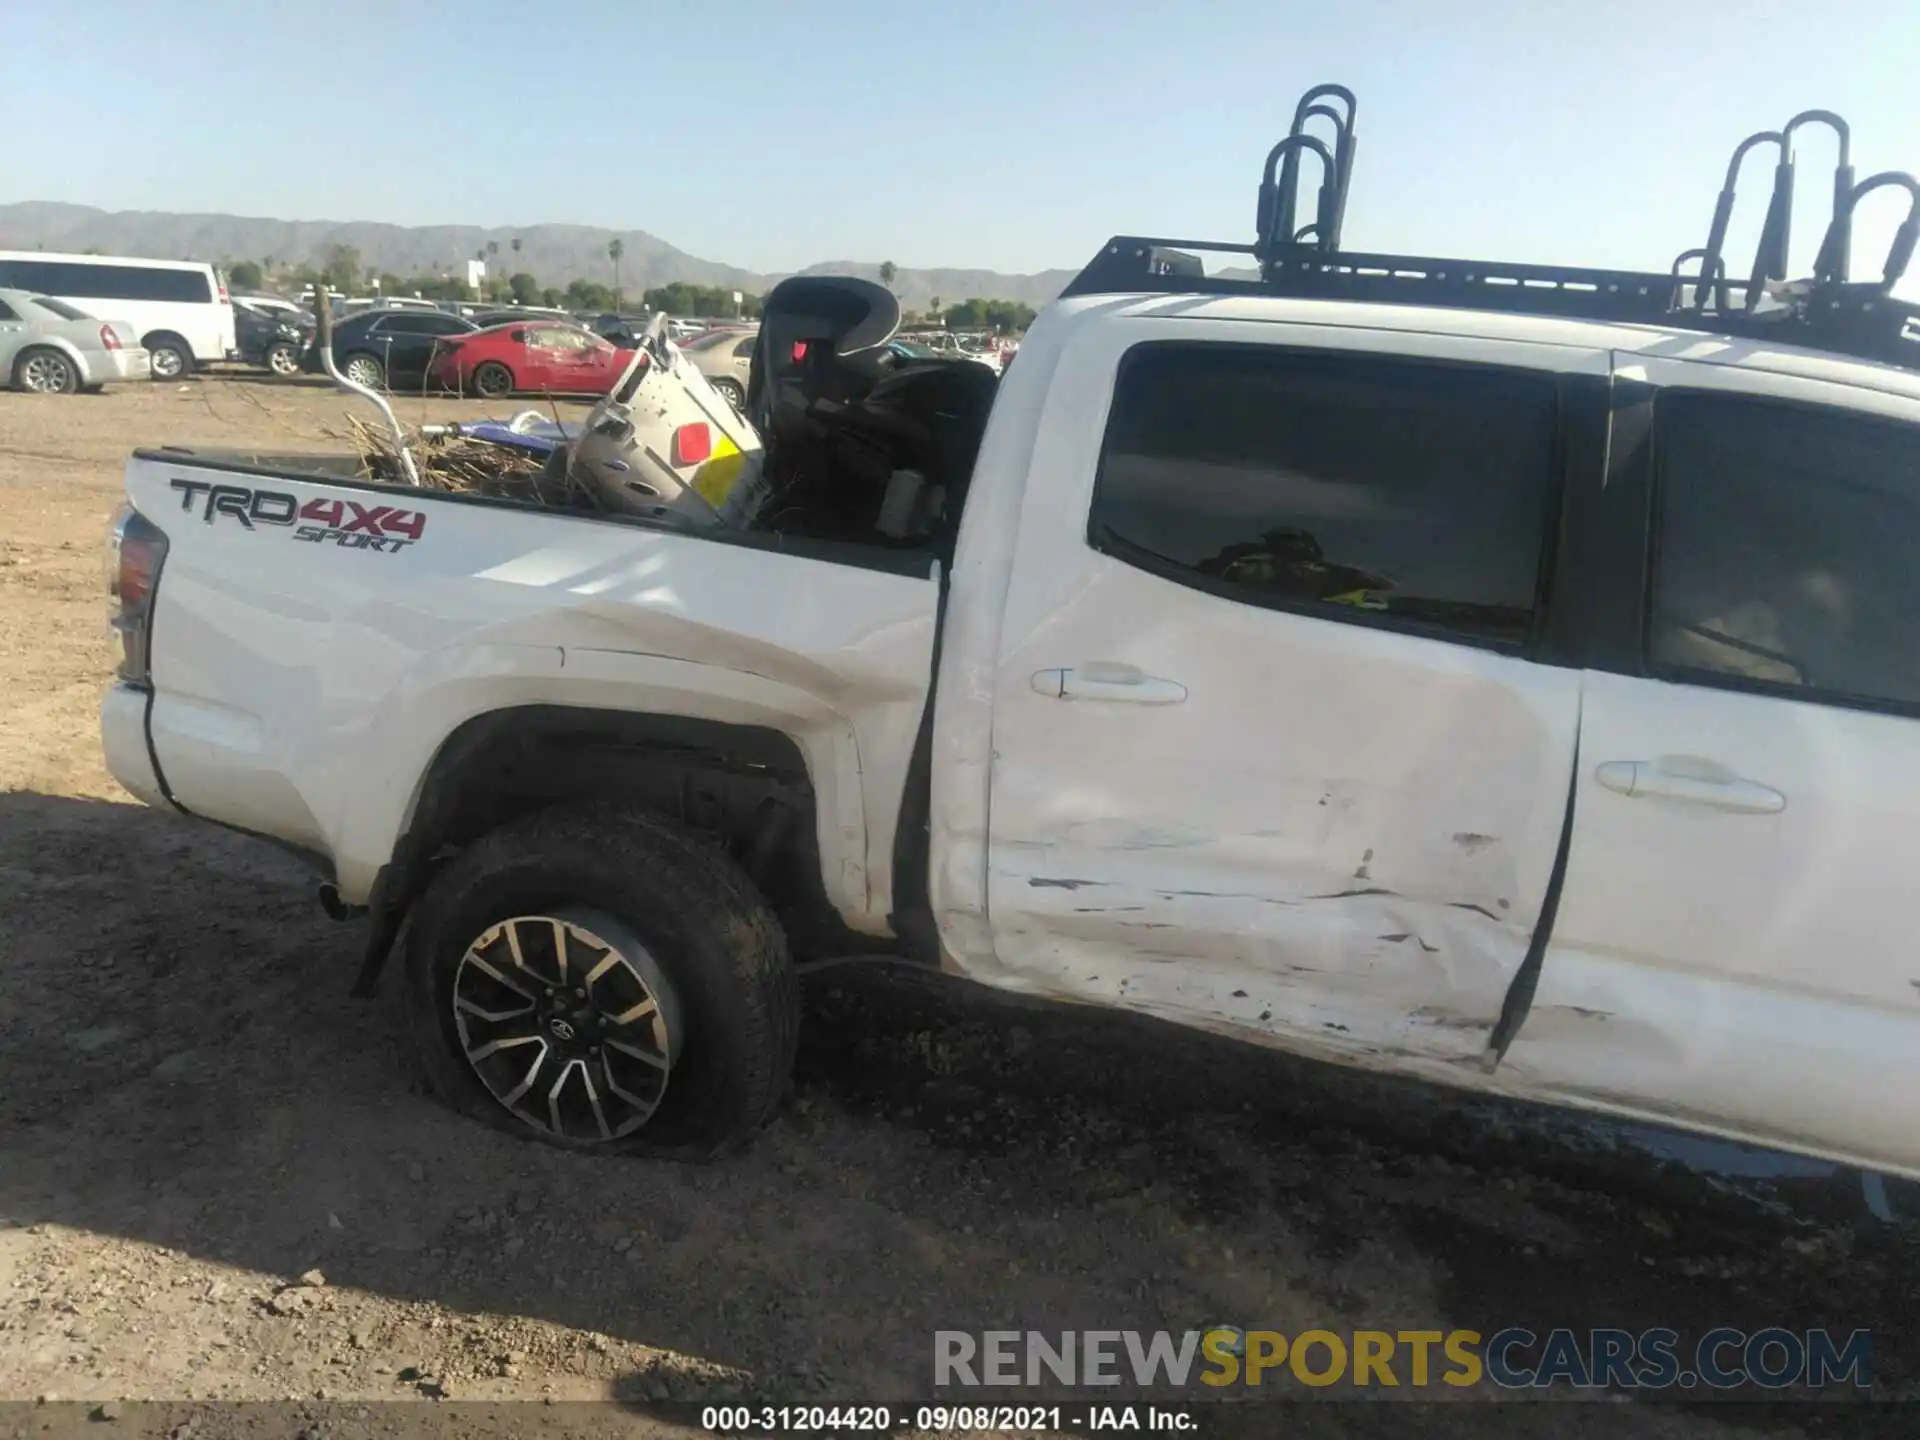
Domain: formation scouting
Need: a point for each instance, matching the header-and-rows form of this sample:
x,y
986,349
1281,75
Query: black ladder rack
x,y
1826,312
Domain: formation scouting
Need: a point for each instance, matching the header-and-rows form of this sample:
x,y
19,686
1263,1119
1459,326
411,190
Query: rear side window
x,y
1344,486
90,280
421,324
59,308
1787,548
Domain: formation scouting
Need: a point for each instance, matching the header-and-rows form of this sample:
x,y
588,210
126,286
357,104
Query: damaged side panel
x,y
1342,837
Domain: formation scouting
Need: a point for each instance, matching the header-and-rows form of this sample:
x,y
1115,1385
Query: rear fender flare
x,y
379,784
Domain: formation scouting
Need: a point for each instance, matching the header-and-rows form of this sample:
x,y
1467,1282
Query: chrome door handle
x,y
1696,782
1103,680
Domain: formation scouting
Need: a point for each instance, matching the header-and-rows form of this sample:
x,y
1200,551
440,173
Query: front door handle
x,y
1104,680
1697,782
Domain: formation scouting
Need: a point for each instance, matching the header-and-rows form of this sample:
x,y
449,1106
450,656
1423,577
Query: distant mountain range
x,y
555,254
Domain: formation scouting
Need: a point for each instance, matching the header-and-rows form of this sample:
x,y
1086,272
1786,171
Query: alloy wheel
x,y
364,371
569,1022
166,363
48,374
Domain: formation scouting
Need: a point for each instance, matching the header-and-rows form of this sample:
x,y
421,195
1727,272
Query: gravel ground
x,y
217,1182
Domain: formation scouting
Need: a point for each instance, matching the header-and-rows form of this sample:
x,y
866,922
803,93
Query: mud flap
x,y
388,918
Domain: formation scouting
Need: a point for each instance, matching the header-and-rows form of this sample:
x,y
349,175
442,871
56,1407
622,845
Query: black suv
x,y
271,337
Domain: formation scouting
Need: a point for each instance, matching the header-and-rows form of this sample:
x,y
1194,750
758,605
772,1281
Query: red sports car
x,y
537,356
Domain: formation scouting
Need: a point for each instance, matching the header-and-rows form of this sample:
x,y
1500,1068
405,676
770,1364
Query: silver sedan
x,y
49,347
725,357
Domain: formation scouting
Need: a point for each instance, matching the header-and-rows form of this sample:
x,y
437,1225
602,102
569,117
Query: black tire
x,y
170,357
374,374
701,920
731,392
46,371
492,380
283,359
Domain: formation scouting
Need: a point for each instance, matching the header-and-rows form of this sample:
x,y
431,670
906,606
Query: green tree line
x,y
343,271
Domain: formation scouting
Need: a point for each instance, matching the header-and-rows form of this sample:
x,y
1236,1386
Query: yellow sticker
x,y
715,479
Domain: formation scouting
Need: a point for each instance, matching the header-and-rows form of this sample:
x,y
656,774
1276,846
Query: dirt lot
x,y
193,1114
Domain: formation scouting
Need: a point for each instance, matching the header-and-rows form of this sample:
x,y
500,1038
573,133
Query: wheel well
x,y
178,339
743,787
37,348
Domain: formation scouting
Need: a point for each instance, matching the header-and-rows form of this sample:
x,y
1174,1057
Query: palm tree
x,y
493,247
933,309
887,271
615,249
516,245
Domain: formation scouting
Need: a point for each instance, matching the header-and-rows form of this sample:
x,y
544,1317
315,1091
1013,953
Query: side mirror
x,y
518,337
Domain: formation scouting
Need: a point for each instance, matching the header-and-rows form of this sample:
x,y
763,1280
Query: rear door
x,y
1735,941
1274,749
407,345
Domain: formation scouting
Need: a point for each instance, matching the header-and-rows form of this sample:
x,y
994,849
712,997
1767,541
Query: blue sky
x,y
1015,136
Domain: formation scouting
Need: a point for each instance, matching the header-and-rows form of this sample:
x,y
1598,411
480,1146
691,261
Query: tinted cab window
x,y
412,324
1787,545
1347,487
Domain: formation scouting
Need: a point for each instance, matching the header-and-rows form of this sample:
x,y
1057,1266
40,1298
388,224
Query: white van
x,y
179,308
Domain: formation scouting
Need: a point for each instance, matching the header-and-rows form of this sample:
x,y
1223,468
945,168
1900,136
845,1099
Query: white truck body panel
x,y
1331,838
311,709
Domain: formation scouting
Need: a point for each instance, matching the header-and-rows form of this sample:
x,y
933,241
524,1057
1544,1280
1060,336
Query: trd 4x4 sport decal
x,y
344,523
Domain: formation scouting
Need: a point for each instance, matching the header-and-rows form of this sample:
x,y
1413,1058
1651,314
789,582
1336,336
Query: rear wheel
x,y
364,369
730,391
171,357
596,979
492,380
283,358
46,372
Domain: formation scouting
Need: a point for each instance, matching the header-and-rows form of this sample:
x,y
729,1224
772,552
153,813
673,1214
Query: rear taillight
x,y
692,443
136,549
224,300
108,340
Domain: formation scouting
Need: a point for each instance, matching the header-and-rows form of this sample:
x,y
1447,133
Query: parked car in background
x,y
725,357
278,304
623,330
179,309
389,349
544,357
53,348
505,315
273,337
948,346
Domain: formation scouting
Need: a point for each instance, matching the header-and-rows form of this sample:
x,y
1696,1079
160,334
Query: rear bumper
x,y
132,363
123,738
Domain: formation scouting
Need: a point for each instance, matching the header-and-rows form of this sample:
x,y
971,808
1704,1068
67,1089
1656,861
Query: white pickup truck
x,y
1503,675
